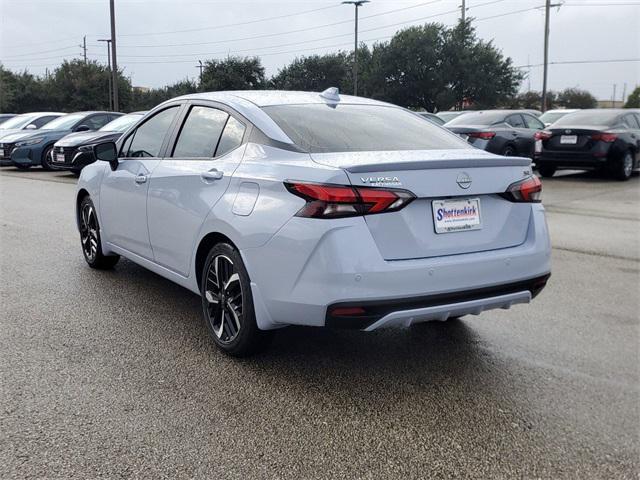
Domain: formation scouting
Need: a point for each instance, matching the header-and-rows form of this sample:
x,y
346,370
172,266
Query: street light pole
x,y
114,70
356,4
108,42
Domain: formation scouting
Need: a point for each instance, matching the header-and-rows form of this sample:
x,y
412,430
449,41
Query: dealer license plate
x,y
569,139
456,215
59,157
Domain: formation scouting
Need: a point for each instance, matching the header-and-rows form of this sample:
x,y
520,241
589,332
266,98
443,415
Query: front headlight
x,y
31,141
86,148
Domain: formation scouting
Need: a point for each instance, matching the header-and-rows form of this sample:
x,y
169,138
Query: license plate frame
x,y
463,215
568,139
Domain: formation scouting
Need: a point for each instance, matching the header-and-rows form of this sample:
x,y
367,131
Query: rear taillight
x,y
527,190
543,135
604,137
337,201
482,135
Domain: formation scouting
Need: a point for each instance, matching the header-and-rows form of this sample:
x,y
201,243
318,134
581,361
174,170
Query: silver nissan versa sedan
x,y
300,208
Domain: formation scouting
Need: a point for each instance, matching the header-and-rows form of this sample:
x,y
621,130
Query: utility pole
x,y
108,42
547,12
613,96
200,66
356,4
114,62
624,93
464,11
84,48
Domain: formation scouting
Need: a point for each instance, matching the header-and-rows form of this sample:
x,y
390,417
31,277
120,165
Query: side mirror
x,y
31,126
106,152
83,128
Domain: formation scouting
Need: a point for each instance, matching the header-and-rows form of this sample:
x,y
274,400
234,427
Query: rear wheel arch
x,y
204,247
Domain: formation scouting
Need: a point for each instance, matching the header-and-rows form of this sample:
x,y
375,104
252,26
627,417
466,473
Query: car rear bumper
x,y
303,273
589,159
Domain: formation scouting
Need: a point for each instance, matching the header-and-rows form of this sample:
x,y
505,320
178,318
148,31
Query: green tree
x,y
532,100
233,73
433,67
576,98
633,101
316,73
147,99
77,85
22,92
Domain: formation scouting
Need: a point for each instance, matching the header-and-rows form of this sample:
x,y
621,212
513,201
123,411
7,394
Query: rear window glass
x,y
479,118
318,128
589,117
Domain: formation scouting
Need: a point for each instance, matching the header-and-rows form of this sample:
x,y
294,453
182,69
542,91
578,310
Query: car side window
x,y
532,122
38,122
630,121
96,121
200,133
147,139
515,121
231,136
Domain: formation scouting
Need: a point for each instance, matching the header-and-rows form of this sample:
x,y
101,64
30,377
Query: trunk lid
x,y
582,134
433,176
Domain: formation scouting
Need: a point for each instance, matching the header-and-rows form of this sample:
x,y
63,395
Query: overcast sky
x,y
160,41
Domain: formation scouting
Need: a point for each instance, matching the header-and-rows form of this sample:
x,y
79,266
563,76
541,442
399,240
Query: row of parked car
x,y
57,140
606,140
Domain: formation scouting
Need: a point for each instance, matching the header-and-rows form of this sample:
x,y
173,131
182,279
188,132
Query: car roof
x,y
266,98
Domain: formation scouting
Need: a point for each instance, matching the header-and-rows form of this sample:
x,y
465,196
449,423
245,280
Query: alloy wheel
x,y
89,232
223,294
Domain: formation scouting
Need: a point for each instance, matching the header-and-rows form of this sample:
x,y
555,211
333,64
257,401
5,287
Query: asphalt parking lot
x,y
111,374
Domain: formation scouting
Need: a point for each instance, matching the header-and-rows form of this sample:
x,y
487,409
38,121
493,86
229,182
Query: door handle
x,y
212,174
140,178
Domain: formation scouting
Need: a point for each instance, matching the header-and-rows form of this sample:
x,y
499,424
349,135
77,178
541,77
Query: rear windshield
x,y
590,117
550,117
479,118
320,128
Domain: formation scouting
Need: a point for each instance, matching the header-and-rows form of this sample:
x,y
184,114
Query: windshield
x,y
20,121
550,117
65,122
590,117
120,124
319,128
479,118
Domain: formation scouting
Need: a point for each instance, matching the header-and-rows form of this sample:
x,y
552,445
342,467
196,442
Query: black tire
x,y
622,169
90,238
547,171
509,151
228,311
45,161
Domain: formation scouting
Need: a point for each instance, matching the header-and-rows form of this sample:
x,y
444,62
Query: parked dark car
x,y
5,116
75,151
505,132
30,148
607,140
432,117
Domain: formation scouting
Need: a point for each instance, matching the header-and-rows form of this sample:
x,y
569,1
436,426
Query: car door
x,y
123,192
533,125
190,181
